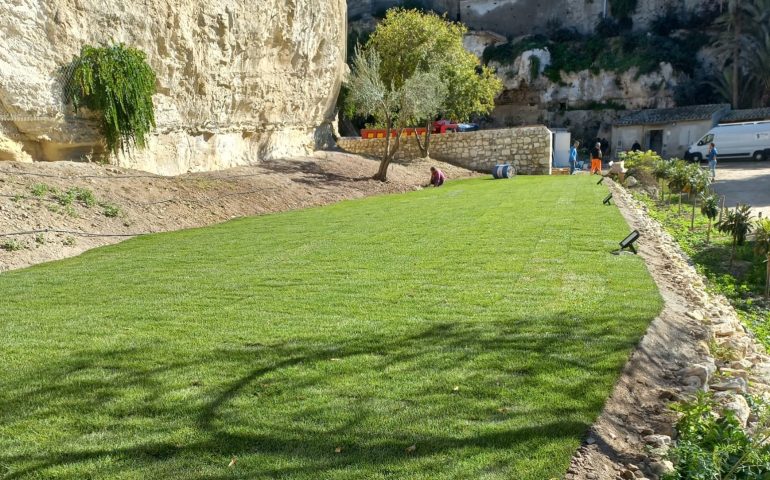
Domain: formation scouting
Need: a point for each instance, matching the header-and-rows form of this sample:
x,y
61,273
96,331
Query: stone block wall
x,y
528,149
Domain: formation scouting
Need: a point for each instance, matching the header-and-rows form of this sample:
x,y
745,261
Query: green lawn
x,y
484,322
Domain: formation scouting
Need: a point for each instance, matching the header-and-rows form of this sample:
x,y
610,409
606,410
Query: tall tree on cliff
x,y
410,42
744,48
390,105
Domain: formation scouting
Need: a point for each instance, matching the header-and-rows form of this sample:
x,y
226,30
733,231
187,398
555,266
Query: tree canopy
x,y
410,41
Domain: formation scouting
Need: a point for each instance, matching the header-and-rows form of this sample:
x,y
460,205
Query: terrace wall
x,y
528,149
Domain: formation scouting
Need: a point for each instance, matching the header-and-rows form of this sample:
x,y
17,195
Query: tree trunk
x,y
708,233
736,51
732,253
391,148
692,219
767,277
424,147
680,203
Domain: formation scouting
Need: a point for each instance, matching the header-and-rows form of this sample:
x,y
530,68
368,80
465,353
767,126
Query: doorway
x,y
655,141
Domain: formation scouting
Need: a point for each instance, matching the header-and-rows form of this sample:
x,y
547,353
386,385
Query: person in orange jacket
x,y
596,159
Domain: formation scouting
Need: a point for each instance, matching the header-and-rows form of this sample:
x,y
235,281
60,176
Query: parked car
x,y
467,127
443,126
734,141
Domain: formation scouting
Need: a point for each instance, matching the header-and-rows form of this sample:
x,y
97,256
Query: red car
x,y
443,126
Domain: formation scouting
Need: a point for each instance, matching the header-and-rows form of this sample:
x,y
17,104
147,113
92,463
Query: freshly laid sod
x,y
471,331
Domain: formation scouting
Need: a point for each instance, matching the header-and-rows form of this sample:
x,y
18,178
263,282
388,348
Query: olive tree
x,y
709,207
698,180
393,106
410,41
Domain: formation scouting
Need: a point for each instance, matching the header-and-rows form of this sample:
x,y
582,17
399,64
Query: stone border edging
x,y
672,362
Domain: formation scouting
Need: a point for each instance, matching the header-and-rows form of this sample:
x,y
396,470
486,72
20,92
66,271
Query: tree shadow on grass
x,y
265,402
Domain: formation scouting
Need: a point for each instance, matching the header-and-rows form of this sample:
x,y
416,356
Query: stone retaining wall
x,y
528,149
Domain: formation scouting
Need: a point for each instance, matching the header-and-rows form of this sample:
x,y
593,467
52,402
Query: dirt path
x,y
32,199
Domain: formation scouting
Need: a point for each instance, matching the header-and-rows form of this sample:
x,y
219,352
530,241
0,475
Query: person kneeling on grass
x,y
437,177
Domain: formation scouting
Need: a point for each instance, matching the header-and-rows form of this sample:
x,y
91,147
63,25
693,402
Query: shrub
x,y
607,27
83,195
39,189
117,82
507,53
712,446
11,245
110,210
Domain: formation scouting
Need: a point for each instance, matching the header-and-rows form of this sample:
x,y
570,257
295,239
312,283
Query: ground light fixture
x,y
607,199
600,180
628,242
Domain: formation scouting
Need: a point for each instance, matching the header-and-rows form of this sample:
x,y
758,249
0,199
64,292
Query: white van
x,y
733,141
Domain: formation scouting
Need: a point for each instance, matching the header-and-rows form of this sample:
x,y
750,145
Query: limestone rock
x,y
738,385
740,407
661,468
12,151
238,81
657,440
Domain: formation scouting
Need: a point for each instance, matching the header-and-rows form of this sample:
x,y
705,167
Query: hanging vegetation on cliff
x,y
117,82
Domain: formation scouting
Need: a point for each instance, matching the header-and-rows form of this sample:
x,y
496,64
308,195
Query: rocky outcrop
x,y
522,17
238,81
577,89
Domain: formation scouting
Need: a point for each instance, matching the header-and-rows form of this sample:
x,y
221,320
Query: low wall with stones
x,y
528,149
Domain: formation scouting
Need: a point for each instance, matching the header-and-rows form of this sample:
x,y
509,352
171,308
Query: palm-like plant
x,y
762,247
698,180
743,50
709,207
737,224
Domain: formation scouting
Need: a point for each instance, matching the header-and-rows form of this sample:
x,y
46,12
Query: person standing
x,y
712,158
596,159
573,157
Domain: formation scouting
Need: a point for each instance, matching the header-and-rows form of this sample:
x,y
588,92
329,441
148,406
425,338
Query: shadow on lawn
x,y
92,383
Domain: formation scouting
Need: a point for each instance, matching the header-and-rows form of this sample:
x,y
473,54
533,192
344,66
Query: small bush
x,y
84,196
40,189
68,241
11,245
607,27
713,445
40,239
64,198
70,211
110,210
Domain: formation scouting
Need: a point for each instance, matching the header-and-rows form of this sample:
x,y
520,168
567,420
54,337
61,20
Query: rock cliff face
x,y
522,17
238,81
